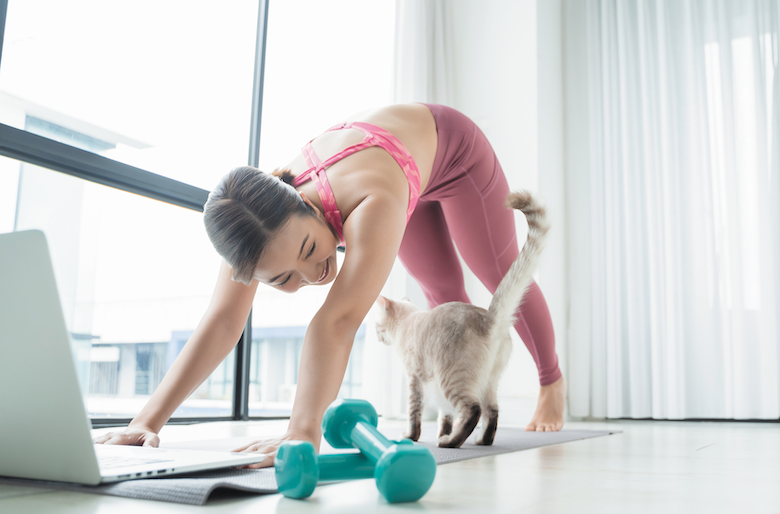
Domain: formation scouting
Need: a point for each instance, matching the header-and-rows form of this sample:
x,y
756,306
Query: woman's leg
x,y
466,202
480,235
484,231
428,254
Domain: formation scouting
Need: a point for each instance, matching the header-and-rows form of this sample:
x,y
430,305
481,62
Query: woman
x,y
406,180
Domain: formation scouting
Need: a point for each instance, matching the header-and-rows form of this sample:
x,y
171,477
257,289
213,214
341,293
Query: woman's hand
x,y
269,447
132,436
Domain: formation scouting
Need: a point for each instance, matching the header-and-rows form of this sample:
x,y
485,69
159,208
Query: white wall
x,y
507,59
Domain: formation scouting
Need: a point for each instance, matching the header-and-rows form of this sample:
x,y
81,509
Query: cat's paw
x,y
483,436
485,432
484,441
414,436
448,441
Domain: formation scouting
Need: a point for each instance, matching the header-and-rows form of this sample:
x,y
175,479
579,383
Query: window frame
x,y
46,153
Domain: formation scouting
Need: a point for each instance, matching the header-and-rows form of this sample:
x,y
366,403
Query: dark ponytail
x,y
284,174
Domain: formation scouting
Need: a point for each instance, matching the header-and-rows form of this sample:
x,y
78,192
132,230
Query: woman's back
x,y
363,171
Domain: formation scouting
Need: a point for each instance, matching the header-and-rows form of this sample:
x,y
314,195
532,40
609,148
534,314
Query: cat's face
x,y
384,320
391,314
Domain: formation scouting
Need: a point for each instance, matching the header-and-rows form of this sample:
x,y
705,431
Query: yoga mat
x,y
195,488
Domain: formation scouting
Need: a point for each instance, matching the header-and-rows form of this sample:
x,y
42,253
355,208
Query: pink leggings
x,y
464,203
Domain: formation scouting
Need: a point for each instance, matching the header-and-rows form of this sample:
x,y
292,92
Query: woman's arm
x,y
215,336
373,232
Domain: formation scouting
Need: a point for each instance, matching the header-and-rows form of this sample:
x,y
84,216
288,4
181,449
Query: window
x,y
101,100
143,84
165,86
132,274
276,354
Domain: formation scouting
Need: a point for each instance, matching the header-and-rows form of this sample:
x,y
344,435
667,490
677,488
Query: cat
x,y
458,351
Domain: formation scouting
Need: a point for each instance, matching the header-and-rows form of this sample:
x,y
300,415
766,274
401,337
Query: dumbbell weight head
x,y
405,472
297,470
341,417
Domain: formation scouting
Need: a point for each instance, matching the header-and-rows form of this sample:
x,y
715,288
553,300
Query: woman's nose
x,y
310,275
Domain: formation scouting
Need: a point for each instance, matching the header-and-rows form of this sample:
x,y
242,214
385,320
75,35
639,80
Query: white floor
x,y
651,467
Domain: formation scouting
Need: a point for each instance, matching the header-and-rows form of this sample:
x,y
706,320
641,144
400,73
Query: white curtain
x,y
422,52
684,219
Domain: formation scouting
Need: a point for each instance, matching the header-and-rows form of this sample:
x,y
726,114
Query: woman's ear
x,y
311,204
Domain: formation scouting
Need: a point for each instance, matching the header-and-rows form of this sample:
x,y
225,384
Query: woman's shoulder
x,y
393,113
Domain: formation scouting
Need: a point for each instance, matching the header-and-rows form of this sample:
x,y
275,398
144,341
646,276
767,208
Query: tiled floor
x,y
658,467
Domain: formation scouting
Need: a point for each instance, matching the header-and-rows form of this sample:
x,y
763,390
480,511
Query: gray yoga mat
x,y
195,488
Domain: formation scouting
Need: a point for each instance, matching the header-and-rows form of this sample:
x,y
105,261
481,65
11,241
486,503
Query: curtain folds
x,y
685,220
422,52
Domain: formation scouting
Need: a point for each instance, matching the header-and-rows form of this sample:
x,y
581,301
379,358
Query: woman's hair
x,y
243,213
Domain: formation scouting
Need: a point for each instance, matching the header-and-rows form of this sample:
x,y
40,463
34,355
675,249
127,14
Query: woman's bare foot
x,y
549,410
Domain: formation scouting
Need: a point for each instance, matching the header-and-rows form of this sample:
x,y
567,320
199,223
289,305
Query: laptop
x,y
44,427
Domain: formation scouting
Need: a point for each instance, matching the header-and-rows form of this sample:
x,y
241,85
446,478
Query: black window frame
x,y
40,151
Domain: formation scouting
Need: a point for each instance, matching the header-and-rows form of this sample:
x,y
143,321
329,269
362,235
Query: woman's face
x,y
302,253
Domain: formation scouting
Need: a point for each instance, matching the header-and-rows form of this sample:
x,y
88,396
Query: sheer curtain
x,y
422,52
684,225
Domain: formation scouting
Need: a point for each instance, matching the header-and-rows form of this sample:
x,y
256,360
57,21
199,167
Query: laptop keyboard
x,y
121,462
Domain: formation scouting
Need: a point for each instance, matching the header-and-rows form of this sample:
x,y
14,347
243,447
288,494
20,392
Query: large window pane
x,y
135,276
164,86
320,68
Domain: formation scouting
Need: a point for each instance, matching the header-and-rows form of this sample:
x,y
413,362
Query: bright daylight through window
x,y
167,87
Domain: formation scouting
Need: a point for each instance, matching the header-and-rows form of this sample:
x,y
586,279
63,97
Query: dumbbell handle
x,y
345,466
368,439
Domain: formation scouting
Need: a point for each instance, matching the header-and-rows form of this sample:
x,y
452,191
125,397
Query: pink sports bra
x,y
375,136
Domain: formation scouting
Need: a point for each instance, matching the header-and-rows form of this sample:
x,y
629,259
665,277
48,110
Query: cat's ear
x,y
383,302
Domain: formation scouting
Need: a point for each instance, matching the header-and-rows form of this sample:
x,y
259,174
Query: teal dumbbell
x,y
299,468
404,471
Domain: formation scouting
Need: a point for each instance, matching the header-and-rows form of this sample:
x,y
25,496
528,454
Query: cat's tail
x,y
510,291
